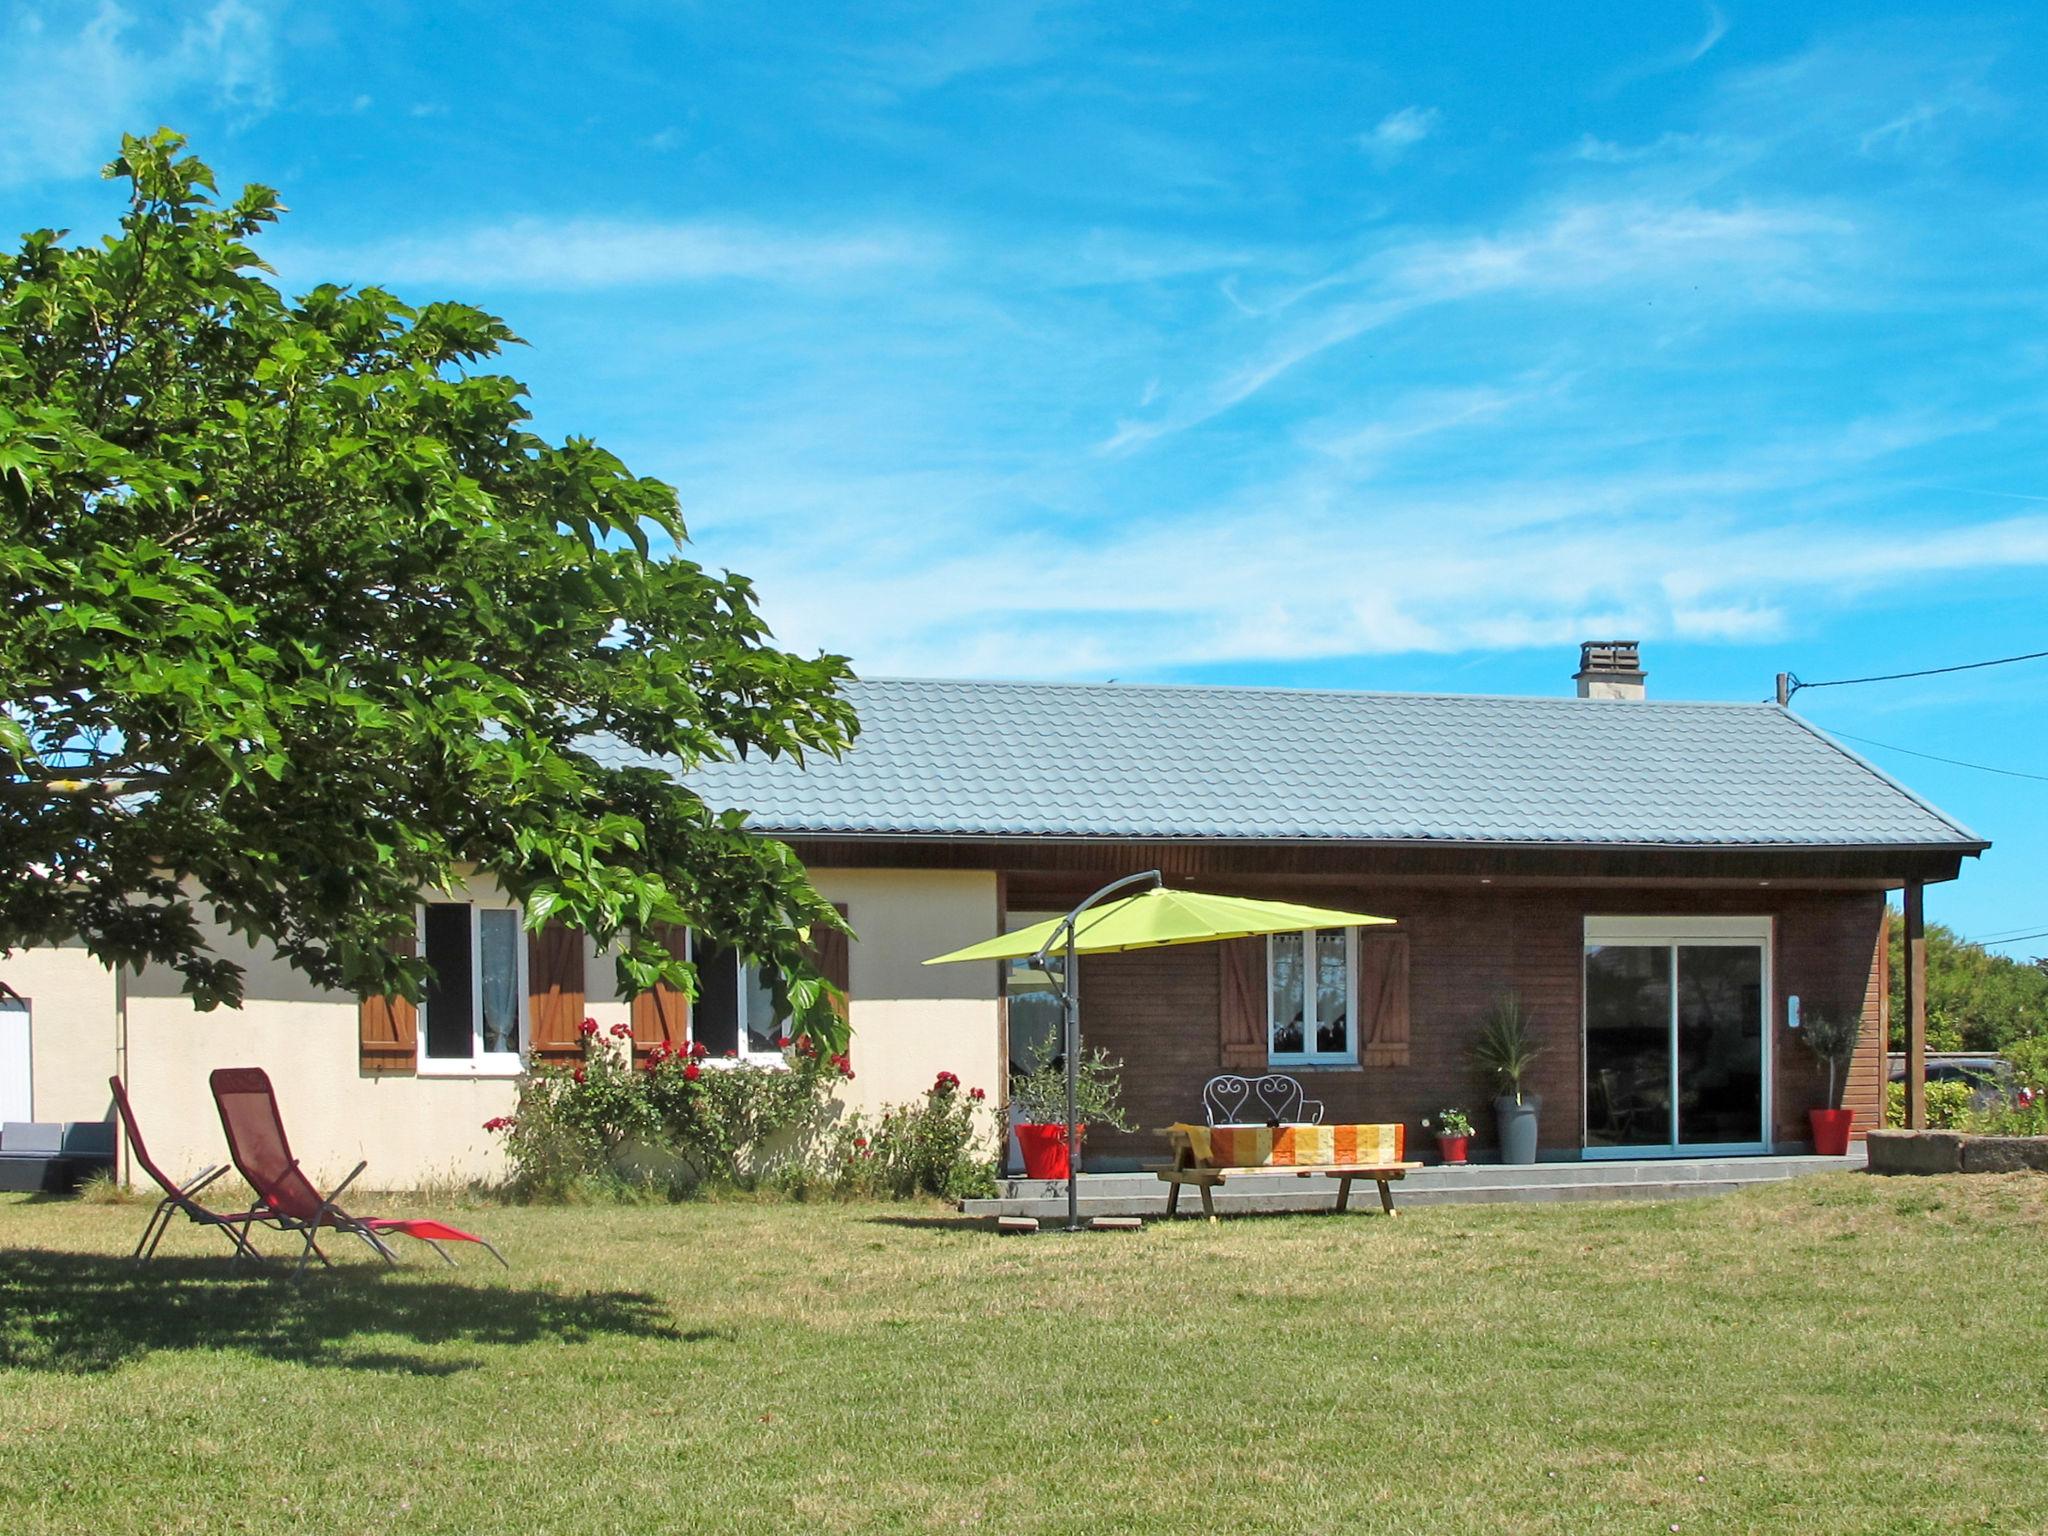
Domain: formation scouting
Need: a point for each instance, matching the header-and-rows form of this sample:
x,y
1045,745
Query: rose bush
x,y
584,1125
941,1145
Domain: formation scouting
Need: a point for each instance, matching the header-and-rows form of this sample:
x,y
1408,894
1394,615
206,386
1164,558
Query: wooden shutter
x,y
387,1028
554,992
1383,996
662,1014
1242,1004
832,954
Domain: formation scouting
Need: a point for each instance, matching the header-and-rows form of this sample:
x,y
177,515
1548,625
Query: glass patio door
x,y
1675,1044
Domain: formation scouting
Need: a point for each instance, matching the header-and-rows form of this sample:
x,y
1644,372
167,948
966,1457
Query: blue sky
x,y
1375,346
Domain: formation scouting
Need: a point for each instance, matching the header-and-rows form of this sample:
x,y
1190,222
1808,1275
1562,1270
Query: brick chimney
x,y
1610,669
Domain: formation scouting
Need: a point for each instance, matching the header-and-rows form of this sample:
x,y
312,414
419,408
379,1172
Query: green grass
x,y
1841,1355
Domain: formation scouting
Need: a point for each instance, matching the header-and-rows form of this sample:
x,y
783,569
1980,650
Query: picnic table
x,y
1208,1155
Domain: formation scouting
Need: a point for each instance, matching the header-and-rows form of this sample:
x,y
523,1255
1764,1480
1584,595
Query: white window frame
x,y
1675,933
740,989
479,1063
1309,1058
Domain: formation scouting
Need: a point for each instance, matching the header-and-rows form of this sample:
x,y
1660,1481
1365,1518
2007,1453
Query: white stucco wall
x,y
71,1029
912,1021
909,1021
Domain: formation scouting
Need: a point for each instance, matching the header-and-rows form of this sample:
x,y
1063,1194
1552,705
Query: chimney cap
x,y
1610,656
1611,669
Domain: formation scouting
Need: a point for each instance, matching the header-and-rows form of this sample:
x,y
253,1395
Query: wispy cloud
x,y
1760,252
74,77
1684,57
1395,134
583,254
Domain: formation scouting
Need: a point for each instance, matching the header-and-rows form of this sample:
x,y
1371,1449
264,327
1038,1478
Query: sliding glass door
x,y
1676,1050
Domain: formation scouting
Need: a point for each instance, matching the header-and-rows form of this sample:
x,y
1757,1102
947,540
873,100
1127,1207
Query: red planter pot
x,y
1452,1148
1831,1130
1045,1150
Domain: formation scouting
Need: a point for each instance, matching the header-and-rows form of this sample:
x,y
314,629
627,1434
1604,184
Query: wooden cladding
x,y
554,993
387,1028
661,1015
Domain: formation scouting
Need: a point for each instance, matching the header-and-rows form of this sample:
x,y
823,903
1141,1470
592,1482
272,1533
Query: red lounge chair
x,y
256,1141
179,1197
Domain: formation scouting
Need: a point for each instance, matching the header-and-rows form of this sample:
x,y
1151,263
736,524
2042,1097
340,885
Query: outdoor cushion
x,y
89,1138
1295,1146
39,1136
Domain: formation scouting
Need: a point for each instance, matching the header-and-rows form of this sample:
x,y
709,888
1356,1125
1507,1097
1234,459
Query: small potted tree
x,y
1506,1051
1038,1109
1453,1129
1833,1036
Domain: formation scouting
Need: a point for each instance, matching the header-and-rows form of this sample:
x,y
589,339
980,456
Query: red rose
x,y
578,1074
732,1055
587,1028
698,1050
860,1141
782,1042
692,1072
622,1031
499,1123
977,1094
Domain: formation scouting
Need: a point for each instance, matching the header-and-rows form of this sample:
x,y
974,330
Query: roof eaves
x,y
1963,833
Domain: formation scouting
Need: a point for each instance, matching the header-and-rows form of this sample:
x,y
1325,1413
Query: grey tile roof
x,y
973,759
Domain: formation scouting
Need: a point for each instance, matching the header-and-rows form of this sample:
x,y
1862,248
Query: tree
x,y
301,620
1976,1001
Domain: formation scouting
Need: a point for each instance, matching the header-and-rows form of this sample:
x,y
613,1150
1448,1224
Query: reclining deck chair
x,y
180,1197
256,1141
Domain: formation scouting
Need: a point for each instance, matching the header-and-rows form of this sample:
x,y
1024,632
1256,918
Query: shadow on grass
x,y
955,1223
82,1313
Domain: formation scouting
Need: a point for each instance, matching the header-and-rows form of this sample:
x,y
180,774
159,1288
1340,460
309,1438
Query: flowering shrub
x,y
737,1123
577,1125
937,1145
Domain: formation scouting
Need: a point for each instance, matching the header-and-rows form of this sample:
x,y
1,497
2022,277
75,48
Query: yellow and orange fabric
x,y
1295,1146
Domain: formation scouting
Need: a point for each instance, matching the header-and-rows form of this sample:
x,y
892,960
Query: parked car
x,y
1989,1076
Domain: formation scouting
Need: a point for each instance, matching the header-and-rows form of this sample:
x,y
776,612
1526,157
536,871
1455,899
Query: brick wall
x,y
1156,1009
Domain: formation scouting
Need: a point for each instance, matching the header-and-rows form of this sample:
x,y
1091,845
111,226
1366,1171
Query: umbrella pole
x,y
1073,1053
1070,999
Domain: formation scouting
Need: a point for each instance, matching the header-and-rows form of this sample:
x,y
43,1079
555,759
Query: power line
x,y
1953,762
1893,677
1986,943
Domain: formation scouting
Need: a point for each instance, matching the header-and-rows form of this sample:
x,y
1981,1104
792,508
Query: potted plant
x,y
1505,1052
1453,1129
1038,1109
1833,1037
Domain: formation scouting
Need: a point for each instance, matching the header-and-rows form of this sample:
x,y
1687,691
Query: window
x,y
473,1016
1311,997
735,1010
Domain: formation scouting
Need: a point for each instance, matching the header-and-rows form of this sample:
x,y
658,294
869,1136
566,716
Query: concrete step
x,y
1136,1194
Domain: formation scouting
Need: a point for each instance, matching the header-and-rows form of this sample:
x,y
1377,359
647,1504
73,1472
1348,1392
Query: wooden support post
x,y
1915,950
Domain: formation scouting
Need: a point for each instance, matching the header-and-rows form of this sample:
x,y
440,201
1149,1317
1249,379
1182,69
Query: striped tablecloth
x,y
1294,1146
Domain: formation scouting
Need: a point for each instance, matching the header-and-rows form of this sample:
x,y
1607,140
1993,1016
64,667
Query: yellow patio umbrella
x,y
1156,918
1151,919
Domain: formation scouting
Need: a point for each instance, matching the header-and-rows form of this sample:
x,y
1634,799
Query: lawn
x,y
1839,1355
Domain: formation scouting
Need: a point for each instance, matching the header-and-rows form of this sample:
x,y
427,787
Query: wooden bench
x,y
1184,1170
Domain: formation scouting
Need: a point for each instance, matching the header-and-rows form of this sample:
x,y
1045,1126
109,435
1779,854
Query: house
x,y
1665,885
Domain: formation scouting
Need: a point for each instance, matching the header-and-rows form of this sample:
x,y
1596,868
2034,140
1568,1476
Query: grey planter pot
x,y
1517,1124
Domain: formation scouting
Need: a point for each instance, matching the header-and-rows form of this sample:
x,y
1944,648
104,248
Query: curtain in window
x,y
1287,995
500,966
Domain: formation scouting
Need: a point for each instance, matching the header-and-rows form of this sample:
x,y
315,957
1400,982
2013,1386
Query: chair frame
x,y
179,1198
1228,1093
327,1212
